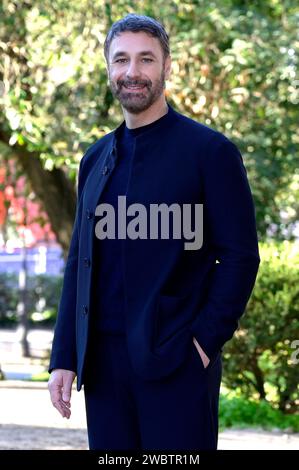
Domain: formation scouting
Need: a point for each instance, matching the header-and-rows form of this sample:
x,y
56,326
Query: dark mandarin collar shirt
x,y
108,299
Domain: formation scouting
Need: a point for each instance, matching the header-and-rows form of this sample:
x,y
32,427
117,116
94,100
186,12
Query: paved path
x,y
28,421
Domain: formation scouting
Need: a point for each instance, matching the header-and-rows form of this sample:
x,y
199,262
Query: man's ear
x,y
167,67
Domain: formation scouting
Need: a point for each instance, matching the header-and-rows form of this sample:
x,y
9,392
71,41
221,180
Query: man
x,y
143,318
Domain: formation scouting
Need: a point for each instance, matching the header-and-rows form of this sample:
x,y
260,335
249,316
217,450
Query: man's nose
x,y
133,70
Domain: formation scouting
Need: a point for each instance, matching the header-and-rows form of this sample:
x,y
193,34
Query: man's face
x,y
137,70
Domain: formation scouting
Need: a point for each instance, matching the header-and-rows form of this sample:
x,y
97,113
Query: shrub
x,y
259,360
237,411
9,297
42,298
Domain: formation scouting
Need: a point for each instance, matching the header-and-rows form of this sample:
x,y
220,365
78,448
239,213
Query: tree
x,y
234,65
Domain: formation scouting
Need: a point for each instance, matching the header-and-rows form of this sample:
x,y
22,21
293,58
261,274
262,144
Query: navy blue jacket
x,y
171,294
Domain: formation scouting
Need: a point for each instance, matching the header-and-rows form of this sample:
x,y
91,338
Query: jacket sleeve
x,y
63,354
231,230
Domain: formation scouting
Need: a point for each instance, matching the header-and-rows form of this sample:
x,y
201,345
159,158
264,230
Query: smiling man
x,y
137,73
142,319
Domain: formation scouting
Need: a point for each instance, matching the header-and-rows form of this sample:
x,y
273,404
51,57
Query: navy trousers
x,y
126,412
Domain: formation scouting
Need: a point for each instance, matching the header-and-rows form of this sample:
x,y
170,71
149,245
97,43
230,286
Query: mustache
x,y
146,83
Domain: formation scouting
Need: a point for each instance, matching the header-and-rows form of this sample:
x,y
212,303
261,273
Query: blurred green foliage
x,y
42,298
240,412
9,297
234,69
42,377
260,360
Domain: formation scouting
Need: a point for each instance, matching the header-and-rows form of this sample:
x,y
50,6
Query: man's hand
x,y
60,388
202,354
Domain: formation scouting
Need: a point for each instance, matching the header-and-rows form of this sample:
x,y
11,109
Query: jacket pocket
x,y
172,316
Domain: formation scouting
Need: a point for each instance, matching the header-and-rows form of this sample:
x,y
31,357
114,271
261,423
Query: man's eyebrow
x,y
147,53
123,53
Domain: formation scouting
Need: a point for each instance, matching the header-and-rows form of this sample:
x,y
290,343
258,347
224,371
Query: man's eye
x,y
121,61
147,59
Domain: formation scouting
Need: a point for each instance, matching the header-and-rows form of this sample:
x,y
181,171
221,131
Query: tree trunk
x,y
22,308
259,377
55,191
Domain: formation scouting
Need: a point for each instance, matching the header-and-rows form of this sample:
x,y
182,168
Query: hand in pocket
x,y
204,357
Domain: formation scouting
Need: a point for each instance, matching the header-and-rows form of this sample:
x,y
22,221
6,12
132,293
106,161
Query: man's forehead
x,y
136,42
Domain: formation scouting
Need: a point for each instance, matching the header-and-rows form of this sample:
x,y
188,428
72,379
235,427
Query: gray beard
x,y
138,102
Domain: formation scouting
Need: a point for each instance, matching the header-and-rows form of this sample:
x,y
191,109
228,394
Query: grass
x,y
237,411
42,377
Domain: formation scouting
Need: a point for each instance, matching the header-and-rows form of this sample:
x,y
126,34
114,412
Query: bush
x,y
237,411
259,360
42,298
9,297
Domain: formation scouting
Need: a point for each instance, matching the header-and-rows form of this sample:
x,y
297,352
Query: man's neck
x,y
154,112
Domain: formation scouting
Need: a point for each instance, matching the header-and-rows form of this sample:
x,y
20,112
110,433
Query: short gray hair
x,y
136,23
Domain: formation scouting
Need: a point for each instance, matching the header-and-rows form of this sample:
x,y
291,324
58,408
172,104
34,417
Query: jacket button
x,y
86,262
85,310
105,170
89,214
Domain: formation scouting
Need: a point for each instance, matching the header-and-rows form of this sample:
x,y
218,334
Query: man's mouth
x,y
134,87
